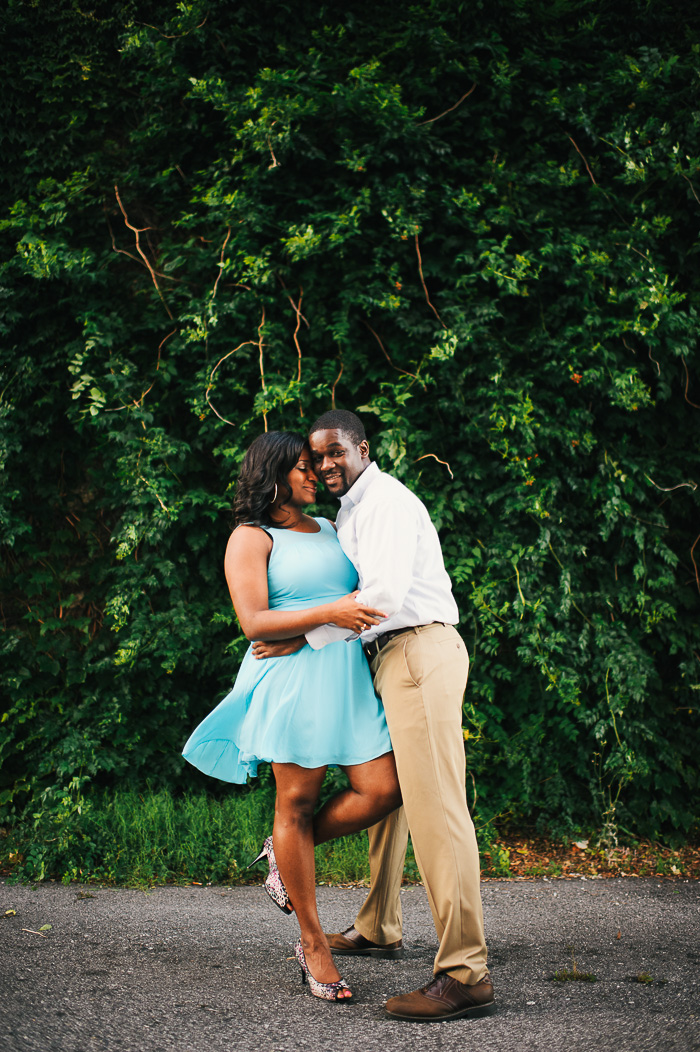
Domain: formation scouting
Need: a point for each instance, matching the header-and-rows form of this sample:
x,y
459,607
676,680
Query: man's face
x,y
337,460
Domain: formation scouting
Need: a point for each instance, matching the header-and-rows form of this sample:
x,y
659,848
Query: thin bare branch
x,y
251,343
695,565
444,114
297,311
422,281
651,357
691,187
262,367
648,522
386,354
668,489
474,799
335,384
123,251
275,162
221,263
160,348
173,36
152,487
438,460
158,273
645,258
588,167
138,401
71,523
294,307
687,381
137,231
568,587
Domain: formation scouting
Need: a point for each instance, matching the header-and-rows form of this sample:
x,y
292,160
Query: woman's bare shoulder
x,y
248,538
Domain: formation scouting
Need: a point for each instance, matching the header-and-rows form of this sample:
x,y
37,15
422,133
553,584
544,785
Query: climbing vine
x,y
474,224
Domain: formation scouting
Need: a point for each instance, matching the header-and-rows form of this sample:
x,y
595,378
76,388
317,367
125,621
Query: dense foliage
x,y
475,223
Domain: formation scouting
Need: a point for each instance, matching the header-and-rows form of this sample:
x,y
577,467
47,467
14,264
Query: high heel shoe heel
x,y
273,883
326,991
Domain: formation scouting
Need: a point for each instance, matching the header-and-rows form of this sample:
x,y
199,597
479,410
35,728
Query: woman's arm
x,y
245,565
278,648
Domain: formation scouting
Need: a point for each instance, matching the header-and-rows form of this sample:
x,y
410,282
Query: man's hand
x,y
279,648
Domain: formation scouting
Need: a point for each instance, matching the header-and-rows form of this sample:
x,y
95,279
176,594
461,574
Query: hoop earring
x,y
274,495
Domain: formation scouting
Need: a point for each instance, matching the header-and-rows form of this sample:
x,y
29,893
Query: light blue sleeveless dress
x,y
312,708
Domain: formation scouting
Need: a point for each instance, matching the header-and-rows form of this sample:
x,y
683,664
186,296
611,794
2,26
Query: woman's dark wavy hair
x,y
267,462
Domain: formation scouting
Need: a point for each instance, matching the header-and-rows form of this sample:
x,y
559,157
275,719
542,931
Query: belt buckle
x,y
372,648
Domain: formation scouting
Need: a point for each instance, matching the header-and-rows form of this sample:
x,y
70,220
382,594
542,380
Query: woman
x,y
287,574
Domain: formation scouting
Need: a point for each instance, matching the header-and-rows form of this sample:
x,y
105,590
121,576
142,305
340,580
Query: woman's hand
x,y
347,613
280,648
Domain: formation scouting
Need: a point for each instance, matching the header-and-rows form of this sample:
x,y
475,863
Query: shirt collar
x,y
360,486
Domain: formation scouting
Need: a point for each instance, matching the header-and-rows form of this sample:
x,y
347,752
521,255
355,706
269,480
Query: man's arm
x,y
245,565
387,538
317,638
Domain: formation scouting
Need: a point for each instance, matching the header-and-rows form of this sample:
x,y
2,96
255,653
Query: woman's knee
x,y
384,794
392,798
296,806
389,783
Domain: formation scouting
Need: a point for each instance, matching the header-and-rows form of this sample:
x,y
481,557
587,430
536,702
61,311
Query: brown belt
x,y
372,648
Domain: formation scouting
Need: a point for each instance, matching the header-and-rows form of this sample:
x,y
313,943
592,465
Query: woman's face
x,y
302,480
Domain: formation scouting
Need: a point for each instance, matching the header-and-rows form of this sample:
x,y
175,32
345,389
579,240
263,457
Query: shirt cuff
x,y
317,638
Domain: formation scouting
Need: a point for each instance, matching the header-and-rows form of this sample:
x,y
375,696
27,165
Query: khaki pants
x,y
420,676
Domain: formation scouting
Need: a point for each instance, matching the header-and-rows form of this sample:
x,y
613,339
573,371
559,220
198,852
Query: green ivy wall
x,y
477,224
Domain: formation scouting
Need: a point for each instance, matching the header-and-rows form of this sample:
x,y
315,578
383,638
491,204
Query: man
x,y
420,667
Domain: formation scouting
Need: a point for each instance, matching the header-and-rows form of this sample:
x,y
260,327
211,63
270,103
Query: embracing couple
x,y
371,681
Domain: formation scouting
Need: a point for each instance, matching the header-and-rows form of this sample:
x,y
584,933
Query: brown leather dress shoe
x,y
442,998
350,943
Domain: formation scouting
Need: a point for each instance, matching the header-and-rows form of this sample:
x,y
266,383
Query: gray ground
x,y
208,969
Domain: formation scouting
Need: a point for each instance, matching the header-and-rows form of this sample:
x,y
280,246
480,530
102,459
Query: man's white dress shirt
x,y
386,532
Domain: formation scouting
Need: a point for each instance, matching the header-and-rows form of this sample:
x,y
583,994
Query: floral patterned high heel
x,y
326,991
273,883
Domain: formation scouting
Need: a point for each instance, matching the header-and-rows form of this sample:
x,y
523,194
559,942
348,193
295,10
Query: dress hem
x,y
249,768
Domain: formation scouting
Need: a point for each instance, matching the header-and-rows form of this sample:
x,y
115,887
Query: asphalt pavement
x,y
208,969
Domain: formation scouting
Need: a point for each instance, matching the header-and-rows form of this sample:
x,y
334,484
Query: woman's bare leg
x,y
374,793
293,838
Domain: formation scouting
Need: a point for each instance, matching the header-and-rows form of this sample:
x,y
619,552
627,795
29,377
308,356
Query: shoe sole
x,y
475,1011
286,908
378,953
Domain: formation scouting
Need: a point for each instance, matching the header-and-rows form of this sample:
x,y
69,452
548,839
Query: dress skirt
x,y
311,708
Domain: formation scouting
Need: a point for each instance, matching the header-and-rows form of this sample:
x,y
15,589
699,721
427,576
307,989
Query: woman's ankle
x,y
314,942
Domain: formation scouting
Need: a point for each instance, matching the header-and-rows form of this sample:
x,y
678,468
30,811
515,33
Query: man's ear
x,y
364,449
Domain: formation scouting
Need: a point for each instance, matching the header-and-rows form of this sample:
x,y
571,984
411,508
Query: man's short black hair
x,y
341,420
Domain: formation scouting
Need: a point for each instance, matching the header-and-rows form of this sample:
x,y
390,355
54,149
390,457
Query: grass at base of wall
x,y
146,838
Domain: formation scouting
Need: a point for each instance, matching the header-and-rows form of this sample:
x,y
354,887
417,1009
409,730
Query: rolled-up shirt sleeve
x,y
317,638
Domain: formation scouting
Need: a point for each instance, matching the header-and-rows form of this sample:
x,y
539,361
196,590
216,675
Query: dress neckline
x,y
300,533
